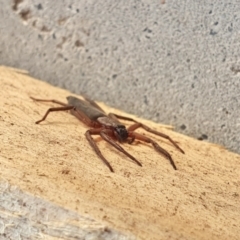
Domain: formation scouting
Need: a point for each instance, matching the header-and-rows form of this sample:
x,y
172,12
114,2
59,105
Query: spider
x,y
108,127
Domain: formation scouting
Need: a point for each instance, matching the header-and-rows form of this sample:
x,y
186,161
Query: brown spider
x,y
108,127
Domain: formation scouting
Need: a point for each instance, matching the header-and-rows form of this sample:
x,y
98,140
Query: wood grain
x,y
54,161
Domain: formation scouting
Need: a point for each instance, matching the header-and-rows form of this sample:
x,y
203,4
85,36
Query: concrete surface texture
x,y
172,61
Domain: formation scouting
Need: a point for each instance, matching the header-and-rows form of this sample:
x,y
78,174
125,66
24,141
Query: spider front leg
x,y
95,147
138,125
104,133
155,145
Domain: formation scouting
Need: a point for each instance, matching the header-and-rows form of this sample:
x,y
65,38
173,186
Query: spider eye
x,y
122,133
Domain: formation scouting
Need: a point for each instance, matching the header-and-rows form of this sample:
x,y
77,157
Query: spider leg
x,y
105,136
95,147
116,116
54,110
51,100
130,141
155,145
138,125
64,108
76,112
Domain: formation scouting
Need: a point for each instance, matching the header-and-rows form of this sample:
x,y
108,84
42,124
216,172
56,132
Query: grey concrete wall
x,y
172,61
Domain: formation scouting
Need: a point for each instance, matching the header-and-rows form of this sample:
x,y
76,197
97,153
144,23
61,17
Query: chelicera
x,y
108,127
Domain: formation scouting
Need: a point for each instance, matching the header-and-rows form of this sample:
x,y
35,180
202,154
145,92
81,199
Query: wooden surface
x,y
54,161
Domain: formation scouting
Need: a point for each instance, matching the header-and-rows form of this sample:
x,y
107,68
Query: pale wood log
x,y
53,161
